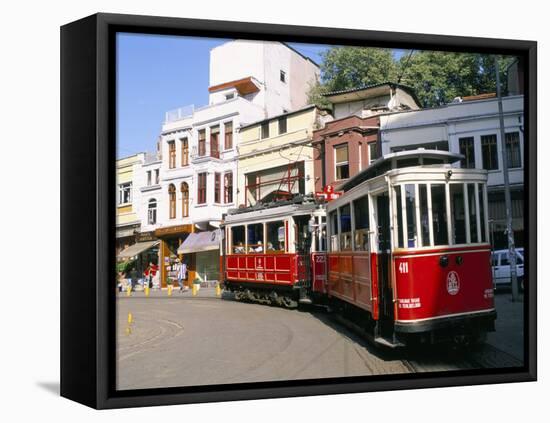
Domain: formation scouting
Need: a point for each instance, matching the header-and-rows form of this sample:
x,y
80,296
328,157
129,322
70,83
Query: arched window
x,y
184,199
172,200
152,212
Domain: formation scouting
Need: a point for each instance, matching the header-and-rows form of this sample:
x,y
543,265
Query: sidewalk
x,y
202,292
508,336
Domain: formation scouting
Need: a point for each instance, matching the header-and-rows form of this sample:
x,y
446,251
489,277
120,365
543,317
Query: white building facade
x,y
249,81
470,128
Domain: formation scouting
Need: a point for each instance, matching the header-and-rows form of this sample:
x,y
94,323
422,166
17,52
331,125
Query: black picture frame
x,y
88,123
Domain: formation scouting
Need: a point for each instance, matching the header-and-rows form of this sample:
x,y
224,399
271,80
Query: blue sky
x,y
157,73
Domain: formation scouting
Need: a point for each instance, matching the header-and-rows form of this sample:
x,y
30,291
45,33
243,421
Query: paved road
x,y
184,341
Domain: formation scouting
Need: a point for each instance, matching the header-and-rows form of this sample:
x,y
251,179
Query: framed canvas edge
x,y
103,368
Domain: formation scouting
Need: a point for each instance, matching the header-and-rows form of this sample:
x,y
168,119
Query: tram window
x,y
345,227
457,213
361,216
410,196
255,238
439,215
480,189
471,190
275,237
424,214
237,240
399,215
333,219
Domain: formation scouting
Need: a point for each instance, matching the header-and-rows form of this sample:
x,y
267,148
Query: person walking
x,y
182,274
133,278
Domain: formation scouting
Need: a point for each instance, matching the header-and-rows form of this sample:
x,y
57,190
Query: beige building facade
x,y
276,156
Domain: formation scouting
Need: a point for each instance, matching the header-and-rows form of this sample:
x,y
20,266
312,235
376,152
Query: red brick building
x,y
348,144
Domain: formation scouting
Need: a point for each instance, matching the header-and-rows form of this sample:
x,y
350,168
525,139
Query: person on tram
x,y
239,249
259,248
270,247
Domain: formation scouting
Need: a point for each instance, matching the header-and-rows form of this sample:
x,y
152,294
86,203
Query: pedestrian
x,y
133,278
182,274
150,273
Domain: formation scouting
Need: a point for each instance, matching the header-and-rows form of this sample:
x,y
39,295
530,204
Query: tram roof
x,y
401,159
297,205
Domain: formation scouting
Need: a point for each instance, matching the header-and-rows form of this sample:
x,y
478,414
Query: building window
x,y
149,180
152,212
157,177
513,155
373,152
184,199
201,188
489,151
172,200
215,141
125,193
342,161
282,125
466,146
171,154
228,188
184,152
265,130
282,76
217,187
202,142
230,96
228,129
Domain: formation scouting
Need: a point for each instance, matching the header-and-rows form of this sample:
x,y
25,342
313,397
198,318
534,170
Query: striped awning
x,y
136,249
200,241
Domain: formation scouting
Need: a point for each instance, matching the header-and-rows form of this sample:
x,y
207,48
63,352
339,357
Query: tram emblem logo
x,y
453,283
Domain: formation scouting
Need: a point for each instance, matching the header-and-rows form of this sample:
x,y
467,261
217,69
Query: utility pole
x,y
507,198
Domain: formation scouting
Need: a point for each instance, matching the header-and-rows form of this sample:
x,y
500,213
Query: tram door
x,y
303,249
384,261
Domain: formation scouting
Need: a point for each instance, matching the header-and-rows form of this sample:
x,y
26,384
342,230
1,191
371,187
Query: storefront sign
x,y
173,230
146,236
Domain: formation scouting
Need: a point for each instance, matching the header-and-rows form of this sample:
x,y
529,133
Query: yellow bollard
x,y
129,290
128,330
169,290
218,290
194,289
130,318
146,290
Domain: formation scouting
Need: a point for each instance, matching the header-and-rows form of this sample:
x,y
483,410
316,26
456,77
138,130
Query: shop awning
x,y
138,248
200,241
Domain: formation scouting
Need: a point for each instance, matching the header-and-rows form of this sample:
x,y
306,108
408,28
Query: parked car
x,y
501,267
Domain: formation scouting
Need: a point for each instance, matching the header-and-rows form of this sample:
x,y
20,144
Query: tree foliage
x,y
437,77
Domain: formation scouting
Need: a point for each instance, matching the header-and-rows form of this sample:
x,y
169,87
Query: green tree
x,y
437,77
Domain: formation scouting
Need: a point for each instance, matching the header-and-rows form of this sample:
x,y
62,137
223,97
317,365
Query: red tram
x,y
404,251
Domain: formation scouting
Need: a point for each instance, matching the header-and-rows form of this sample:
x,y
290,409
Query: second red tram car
x,y
405,251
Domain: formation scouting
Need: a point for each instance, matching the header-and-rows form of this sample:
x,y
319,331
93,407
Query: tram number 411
x,y
403,267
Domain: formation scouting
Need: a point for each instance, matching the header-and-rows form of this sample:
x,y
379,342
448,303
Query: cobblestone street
x,y
184,341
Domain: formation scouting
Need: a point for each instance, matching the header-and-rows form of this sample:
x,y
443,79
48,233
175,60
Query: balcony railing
x,y
179,113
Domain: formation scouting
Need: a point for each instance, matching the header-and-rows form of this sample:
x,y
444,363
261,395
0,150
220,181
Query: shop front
x,y
171,238
141,256
203,249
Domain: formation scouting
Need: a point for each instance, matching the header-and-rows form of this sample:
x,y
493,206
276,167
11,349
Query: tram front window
x,y
458,213
255,238
345,227
480,190
275,237
410,195
237,240
399,215
424,214
471,190
439,215
361,216
333,220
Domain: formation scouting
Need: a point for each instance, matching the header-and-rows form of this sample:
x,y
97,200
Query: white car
x,y
501,267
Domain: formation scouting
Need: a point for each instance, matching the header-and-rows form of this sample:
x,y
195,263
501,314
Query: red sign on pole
x,y
328,194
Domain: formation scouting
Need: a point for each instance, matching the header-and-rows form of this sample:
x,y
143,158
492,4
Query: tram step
x,y
390,343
